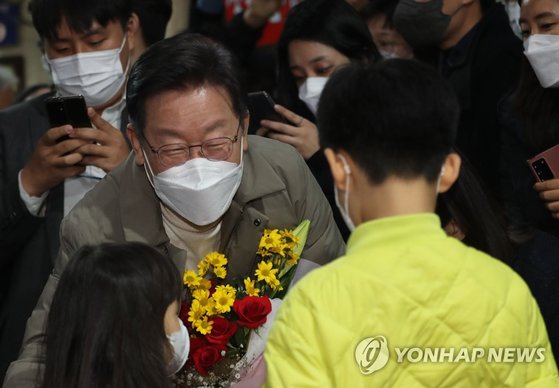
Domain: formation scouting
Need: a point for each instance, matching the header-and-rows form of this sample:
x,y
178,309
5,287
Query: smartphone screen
x,y
261,107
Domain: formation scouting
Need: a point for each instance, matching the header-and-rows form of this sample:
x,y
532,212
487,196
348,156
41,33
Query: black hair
x,y
105,327
154,16
537,108
380,7
79,14
396,117
476,214
182,62
333,23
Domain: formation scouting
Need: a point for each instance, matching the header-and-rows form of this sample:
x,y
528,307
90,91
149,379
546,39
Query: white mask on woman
x,y
97,75
199,190
180,342
542,52
344,211
310,91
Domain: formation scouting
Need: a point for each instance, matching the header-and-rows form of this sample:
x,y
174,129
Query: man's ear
x,y
246,123
339,169
450,172
136,145
134,31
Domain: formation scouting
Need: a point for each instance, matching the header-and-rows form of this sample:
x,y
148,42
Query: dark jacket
x,y
28,244
482,69
524,208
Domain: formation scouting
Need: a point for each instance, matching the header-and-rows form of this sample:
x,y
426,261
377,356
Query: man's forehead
x,y
65,31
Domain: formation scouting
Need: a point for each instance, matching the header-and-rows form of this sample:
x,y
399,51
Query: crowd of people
x,y
402,134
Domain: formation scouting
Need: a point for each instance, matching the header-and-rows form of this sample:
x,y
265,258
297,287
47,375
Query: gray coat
x,y
277,191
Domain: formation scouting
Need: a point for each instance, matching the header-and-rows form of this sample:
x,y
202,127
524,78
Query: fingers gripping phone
x,y
67,110
261,107
545,165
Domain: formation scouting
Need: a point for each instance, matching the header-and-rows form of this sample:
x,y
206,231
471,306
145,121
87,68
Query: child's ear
x,y
339,167
450,171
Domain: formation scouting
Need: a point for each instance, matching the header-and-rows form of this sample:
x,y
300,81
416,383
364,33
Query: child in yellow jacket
x,y
407,305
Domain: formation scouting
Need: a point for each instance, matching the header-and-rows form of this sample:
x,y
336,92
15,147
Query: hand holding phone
x,y
545,165
261,107
68,110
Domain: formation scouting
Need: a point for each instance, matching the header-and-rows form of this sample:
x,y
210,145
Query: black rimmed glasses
x,y
217,149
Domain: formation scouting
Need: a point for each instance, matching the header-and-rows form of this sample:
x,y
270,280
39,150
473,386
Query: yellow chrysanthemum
x,y
191,279
220,272
204,299
216,259
265,271
275,284
289,238
293,258
227,288
196,312
250,289
203,326
200,294
223,300
271,241
205,284
203,267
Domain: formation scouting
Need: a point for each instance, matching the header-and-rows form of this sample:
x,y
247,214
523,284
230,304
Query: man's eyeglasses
x,y
217,149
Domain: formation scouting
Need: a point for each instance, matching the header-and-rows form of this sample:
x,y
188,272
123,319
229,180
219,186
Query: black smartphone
x,y
67,110
261,107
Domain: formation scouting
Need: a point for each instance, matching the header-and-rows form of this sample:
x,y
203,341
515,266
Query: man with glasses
x,y
195,182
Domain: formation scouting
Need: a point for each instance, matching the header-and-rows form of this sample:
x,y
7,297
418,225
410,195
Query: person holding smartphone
x,y
89,47
319,37
530,124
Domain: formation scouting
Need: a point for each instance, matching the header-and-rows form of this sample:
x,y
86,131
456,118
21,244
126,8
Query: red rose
x,y
252,310
222,330
183,314
195,344
206,356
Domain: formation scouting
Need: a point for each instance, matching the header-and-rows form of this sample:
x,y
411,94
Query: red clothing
x,y
272,30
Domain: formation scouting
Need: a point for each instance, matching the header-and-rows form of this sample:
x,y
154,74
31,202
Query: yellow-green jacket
x,y
377,316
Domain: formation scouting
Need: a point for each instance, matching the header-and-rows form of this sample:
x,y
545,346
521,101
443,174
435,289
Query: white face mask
x,y
199,190
180,342
97,75
310,91
344,211
542,52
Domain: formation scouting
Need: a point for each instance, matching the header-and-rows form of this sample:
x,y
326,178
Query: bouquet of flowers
x,y
224,318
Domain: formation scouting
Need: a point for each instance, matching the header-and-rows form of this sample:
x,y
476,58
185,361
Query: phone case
x,y
68,110
545,165
261,107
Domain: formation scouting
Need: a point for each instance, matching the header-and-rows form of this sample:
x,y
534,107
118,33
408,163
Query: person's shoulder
x,y
494,278
323,284
268,158
34,106
271,150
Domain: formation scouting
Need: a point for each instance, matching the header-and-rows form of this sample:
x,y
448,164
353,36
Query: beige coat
x,y
277,191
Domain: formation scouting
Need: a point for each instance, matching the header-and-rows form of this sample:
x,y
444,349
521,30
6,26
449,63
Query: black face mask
x,y
423,25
